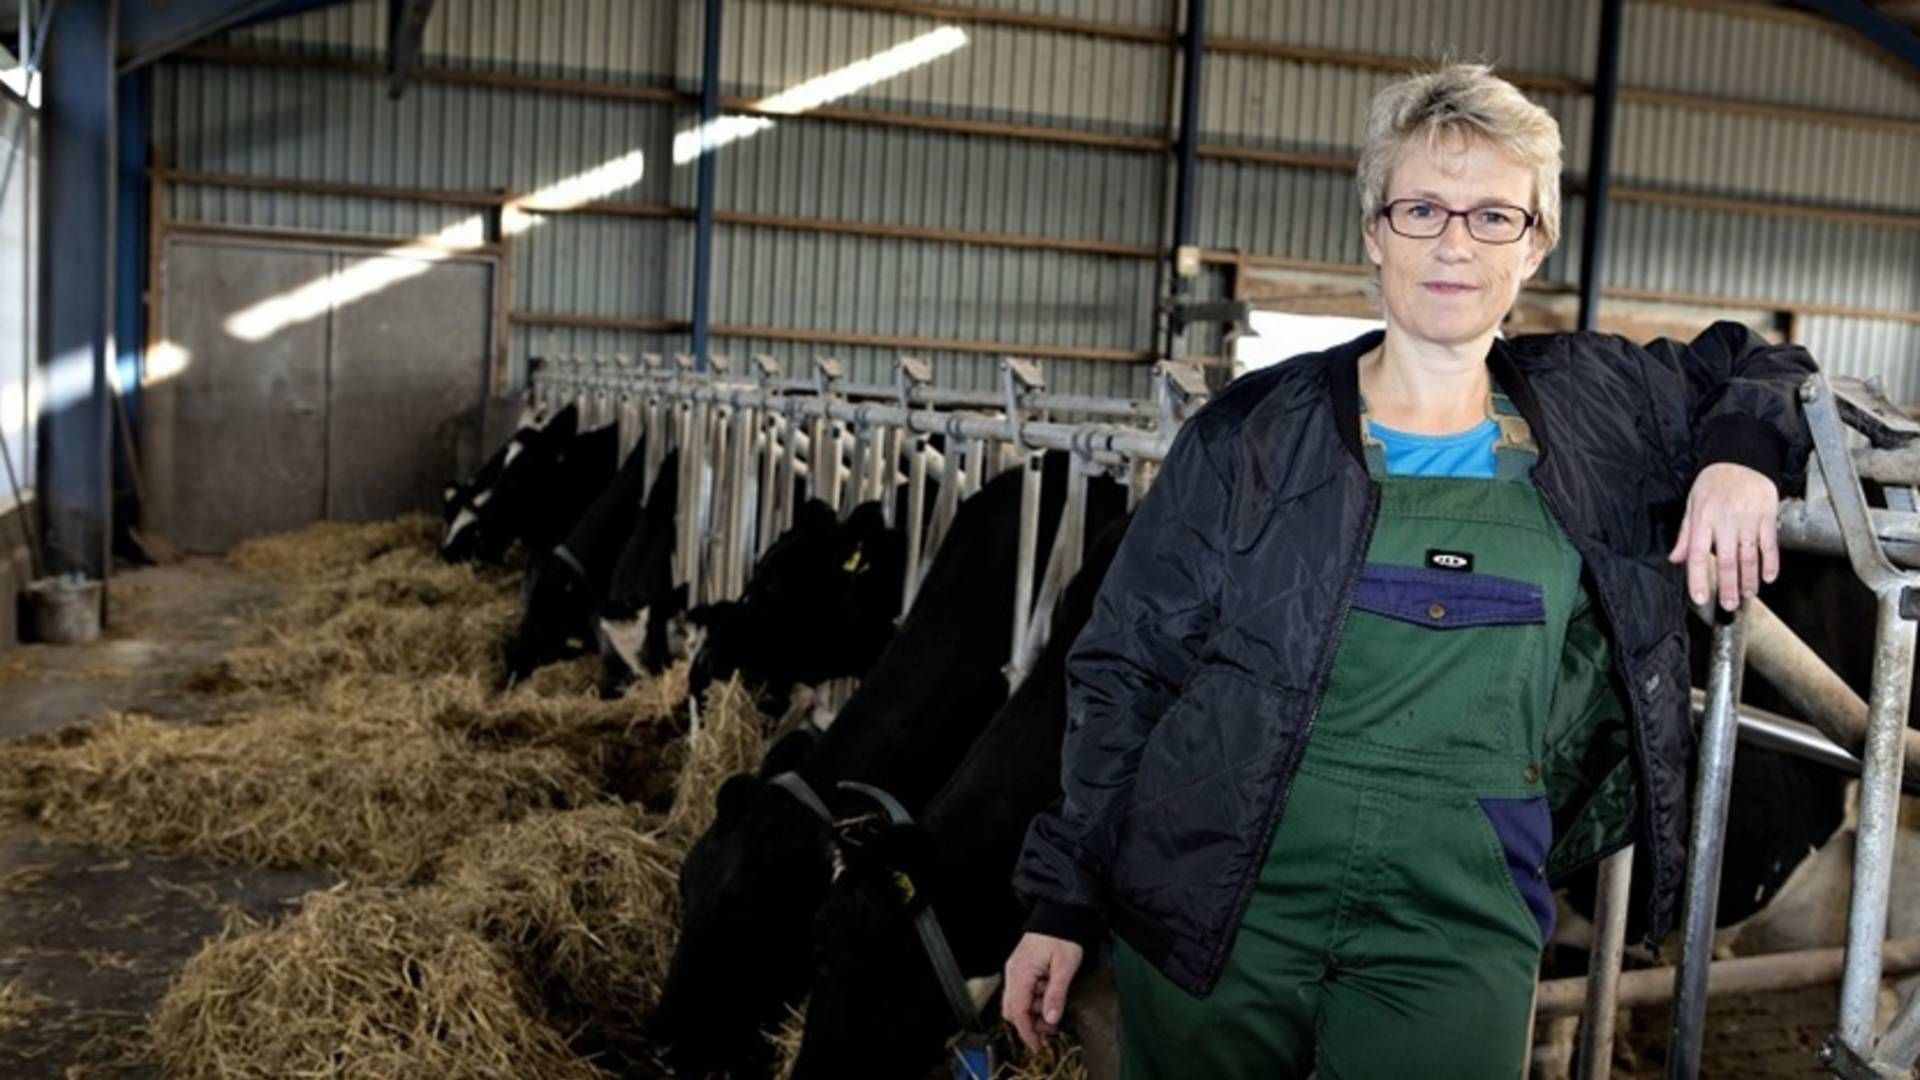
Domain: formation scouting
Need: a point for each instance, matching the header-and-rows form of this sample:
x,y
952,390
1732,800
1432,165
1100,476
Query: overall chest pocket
x,y
1433,661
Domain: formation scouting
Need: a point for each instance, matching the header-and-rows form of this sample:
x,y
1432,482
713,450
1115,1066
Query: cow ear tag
x,y
905,884
855,562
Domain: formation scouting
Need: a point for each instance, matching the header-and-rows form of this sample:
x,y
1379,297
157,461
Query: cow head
x,y
877,1008
820,606
556,605
632,640
486,520
748,891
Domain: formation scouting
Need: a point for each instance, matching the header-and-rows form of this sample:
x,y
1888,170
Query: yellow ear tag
x,y
905,884
854,563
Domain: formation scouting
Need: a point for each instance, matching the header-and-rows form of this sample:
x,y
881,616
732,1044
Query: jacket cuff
x,y
1084,926
1742,440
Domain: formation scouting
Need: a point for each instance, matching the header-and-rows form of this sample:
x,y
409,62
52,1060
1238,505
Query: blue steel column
x,y
703,180
1193,52
1606,93
1186,158
129,300
76,285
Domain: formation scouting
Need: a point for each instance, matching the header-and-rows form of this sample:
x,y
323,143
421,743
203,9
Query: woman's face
x,y
1453,289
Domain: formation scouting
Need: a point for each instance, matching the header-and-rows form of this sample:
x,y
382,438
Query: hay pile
x,y
329,548
289,787
514,854
357,984
403,613
731,738
584,904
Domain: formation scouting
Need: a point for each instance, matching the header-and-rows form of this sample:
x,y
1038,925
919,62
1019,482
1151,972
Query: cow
x,y
460,538
567,583
750,885
457,495
821,605
630,624
877,1007
1781,808
539,492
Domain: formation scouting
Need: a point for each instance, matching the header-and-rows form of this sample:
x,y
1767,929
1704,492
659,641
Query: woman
x,y
1395,640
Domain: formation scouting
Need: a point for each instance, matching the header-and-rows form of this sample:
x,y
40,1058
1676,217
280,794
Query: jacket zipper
x,y
1218,961
1638,727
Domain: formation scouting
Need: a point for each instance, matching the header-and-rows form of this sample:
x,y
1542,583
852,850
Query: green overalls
x,y
1397,924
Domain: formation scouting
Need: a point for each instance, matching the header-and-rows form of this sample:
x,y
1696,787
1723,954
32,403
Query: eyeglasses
x,y
1422,219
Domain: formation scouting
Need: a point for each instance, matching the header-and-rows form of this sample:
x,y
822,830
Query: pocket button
x,y
1532,774
1436,612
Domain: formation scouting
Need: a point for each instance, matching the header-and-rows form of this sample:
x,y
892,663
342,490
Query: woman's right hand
x,y
1035,991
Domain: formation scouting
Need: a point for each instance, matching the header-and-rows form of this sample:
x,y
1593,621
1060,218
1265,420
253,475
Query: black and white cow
x,y
1781,807
751,884
567,583
630,625
547,479
877,1008
821,605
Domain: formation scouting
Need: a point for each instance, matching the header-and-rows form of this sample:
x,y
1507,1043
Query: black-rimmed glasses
x,y
1424,219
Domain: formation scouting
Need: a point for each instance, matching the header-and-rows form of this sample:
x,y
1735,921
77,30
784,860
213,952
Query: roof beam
x,y
1879,29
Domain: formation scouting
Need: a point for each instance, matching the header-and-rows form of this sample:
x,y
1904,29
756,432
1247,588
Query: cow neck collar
x,y
796,785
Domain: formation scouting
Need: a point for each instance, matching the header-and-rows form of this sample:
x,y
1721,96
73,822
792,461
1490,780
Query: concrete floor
x,y
89,940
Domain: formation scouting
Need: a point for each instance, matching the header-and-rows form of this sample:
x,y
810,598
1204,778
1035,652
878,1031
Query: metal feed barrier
x,y
747,438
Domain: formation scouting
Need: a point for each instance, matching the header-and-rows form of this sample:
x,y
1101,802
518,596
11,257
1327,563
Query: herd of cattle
x,y
799,889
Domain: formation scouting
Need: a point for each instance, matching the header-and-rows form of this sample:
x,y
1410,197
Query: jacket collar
x,y
1275,428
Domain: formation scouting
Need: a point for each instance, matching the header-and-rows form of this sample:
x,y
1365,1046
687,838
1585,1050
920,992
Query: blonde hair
x,y
1459,102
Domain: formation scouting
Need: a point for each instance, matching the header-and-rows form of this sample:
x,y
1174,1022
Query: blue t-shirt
x,y
1466,453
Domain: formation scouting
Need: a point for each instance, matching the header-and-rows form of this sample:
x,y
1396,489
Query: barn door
x,y
234,431
409,381
358,407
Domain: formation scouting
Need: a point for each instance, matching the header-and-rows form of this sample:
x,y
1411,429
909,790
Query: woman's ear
x,y
1370,236
1536,253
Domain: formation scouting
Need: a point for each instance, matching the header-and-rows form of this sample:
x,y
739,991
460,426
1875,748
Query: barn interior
x,y
447,442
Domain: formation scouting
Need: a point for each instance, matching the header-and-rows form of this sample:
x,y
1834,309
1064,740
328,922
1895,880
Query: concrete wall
x,y
16,569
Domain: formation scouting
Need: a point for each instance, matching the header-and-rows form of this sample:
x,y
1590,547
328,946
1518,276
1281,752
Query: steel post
x,y
1603,965
1706,846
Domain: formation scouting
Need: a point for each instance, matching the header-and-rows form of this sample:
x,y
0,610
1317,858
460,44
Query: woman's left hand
x,y
1732,520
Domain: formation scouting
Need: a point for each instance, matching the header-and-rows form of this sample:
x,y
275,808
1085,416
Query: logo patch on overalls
x,y
1450,560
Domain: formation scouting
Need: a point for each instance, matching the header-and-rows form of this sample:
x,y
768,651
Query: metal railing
x,y
748,440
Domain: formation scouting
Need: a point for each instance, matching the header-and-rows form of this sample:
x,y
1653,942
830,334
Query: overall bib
x,y
1398,920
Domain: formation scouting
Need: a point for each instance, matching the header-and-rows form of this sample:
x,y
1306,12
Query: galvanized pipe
x,y
1806,526
1706,847
916,530
772,460
1603,965
951,492
1879,818
1900,1047
740,531
1030,481
1742,975
1063,561
786,498
1108,445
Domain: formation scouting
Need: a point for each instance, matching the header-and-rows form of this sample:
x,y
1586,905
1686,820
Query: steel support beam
x,y
703,182
1186,155
76,286
1873,25
150,29
129,308
1606,94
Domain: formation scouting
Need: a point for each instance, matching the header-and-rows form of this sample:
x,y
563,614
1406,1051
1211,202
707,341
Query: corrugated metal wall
x,y
1109,187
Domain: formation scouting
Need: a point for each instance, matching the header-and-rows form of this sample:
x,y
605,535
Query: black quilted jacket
x,y
1193,687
